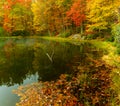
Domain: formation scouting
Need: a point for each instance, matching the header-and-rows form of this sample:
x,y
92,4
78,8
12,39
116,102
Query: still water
x,y
27,60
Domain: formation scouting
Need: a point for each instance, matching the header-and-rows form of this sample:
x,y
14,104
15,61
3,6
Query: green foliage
x,y
43,33
110,39
20,33
116,35
91,36
118,48
2,32
116,32
95,35
65,34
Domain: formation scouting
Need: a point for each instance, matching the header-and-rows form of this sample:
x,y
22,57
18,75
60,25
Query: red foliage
x,y
77,12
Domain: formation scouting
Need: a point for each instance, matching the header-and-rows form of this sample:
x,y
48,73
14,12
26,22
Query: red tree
x,y
77,12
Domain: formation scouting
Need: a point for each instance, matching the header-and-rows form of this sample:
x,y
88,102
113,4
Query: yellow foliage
x,y
101,14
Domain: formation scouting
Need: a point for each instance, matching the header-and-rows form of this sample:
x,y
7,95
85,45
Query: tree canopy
x,y
53,17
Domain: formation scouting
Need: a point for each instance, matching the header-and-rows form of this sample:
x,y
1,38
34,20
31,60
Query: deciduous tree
x,y
77,13
101,15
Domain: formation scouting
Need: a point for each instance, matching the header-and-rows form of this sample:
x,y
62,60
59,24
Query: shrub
x,y
2,32
116,32
118,48
43,33
65,34
20,33
111,39
91,36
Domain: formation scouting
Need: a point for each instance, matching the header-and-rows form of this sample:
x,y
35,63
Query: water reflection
x,y
7,97
24,61
23,57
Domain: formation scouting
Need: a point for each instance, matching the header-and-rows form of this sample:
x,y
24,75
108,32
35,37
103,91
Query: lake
x,y
27,60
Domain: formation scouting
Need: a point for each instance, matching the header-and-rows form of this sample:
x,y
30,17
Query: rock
x,y
77,36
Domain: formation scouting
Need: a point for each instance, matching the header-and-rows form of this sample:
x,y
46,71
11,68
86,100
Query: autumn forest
x,y
59,17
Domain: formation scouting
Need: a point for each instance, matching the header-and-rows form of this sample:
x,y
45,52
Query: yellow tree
x,y
39,19
101,15
49,16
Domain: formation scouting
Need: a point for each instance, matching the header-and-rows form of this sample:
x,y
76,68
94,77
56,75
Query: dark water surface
x,y
24,61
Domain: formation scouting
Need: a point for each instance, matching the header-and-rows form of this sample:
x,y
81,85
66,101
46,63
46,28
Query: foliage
x,y
118,49
91,36
116,32
49,16
20,33
101,15
116,35
111,39
2,32
89,86
21,17
53,17
77,13
65,34
17,15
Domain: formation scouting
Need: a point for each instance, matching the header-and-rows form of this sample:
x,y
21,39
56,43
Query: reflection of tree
x,y
65,56
15,68
48,59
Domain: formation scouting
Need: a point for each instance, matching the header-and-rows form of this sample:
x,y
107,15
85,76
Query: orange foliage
x,y
77,12
6,23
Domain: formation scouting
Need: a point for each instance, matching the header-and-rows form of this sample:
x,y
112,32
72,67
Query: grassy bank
x,y
111,57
